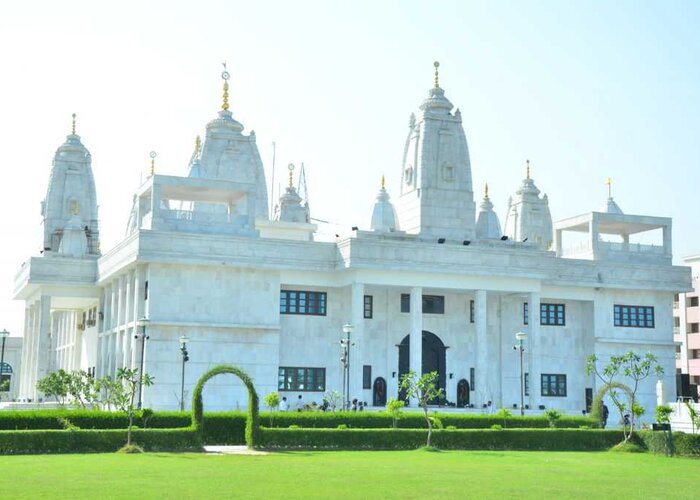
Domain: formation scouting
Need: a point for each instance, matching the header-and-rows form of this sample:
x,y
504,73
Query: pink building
x,y
686,329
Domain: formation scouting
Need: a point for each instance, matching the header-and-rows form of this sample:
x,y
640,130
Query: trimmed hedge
x,y
415,420
683,444
464,439
89,419
92,441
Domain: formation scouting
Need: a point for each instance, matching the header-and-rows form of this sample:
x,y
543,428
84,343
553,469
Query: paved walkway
x,y
233,450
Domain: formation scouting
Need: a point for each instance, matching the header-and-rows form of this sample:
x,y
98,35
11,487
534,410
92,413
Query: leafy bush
x,y
341,426
552,417
483,439
683,444
87,441
496,427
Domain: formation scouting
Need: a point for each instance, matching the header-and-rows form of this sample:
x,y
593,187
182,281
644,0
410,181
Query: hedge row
x,y
90,441
415,420
683,444
464,439
90,419
227,424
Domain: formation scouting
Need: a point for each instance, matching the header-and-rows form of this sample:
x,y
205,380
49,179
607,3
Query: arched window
x,y
5,377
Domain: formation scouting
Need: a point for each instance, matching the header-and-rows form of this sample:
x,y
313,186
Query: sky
x,y
585,90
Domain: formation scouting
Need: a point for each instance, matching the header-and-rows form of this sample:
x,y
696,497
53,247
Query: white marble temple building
x,y
430,284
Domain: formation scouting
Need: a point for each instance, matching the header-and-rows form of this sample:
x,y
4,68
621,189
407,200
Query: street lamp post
x,y
345,359
520,337
4,334
185,359
143,322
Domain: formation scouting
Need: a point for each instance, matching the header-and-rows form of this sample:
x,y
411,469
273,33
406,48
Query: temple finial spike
x,y
486,190
73,127
528,168
197,145
225,76
382,181
437,76
153,164
609,184
291,172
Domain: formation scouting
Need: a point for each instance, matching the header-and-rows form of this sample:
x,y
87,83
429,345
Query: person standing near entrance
x,y
606,413
284,406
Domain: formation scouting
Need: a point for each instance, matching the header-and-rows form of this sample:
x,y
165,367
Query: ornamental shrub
x,y
88,441
465,439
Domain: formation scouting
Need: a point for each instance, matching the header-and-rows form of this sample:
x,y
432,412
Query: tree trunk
x,y
128,432
430,424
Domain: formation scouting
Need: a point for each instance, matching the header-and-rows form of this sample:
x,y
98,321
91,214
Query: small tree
x,y
83,389
663,414
634,367
128,380
424,389
505,414
334,399
693,414
55,385
394,408
552,417
272,401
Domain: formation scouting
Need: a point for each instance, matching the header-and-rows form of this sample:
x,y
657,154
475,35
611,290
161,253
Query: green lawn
x,y
360,474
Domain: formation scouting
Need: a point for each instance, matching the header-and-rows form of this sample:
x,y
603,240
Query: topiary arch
x,y
252,427
597,404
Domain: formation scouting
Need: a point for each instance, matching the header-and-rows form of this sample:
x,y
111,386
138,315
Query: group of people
x,y
284,405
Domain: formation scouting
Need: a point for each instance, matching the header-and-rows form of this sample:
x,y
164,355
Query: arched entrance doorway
x,y
379,392
462,393
433,359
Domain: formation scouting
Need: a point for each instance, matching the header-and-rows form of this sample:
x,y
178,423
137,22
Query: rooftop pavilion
x,y
601,229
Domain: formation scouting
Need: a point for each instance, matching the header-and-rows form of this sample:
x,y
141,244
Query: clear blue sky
x,y
585,90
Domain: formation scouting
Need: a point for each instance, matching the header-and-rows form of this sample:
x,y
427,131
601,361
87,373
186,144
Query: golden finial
x,y
153,163
197,146
225,75
382,181
73,129
609,184
528,168
437,81
486,190
290,167
74,207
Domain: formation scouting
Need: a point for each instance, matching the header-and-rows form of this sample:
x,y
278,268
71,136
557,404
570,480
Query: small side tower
x,y
71,200
528,217
488,227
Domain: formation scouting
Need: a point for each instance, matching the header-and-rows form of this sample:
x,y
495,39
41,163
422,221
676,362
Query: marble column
x,y
357,352
482,374
42,345
24,367
416,336
532,345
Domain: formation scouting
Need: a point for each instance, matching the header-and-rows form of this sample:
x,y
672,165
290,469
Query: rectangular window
x,y
301,379
692,302
471,378
693,327
633,316
301,302
145,291
369,306
553,385
405,303
367,377
471,311
432,304
552,314
526,383
526,313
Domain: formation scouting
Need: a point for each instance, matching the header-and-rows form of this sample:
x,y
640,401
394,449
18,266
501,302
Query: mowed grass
x,y
379,474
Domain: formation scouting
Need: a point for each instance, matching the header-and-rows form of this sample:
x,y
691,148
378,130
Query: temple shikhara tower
x,y
430,282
